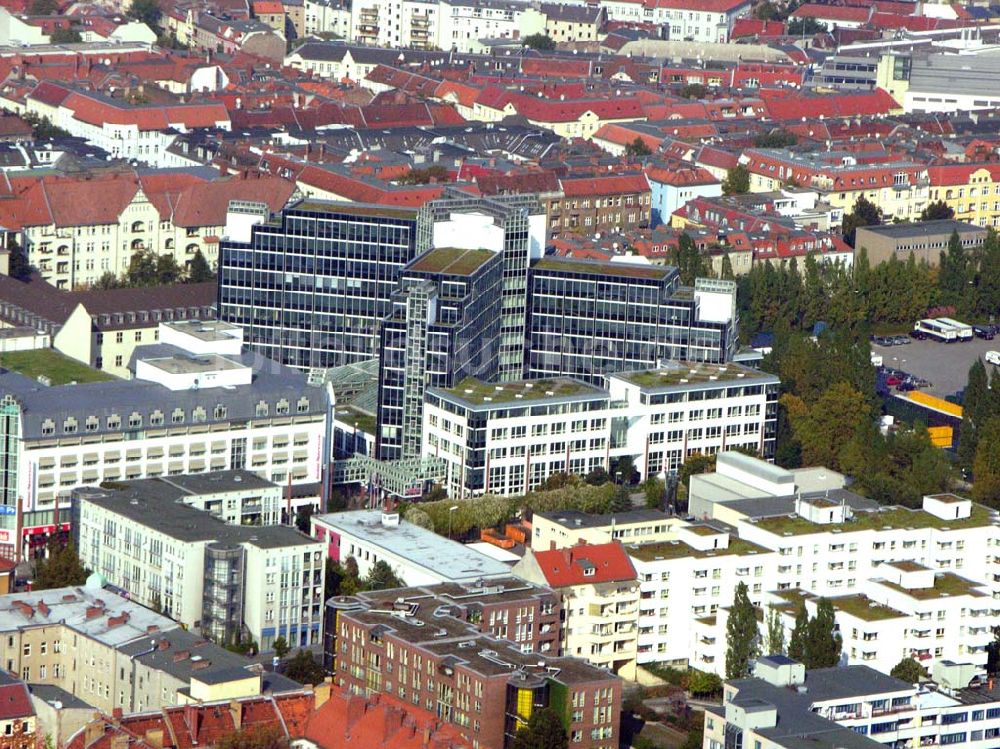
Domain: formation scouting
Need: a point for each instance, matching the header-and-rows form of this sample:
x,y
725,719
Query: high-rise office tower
x,y
587,319
513,225
310,287
444,325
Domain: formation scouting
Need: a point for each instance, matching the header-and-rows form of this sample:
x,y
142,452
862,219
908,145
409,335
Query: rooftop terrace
x,y
690,373
452,261
893,518
477,392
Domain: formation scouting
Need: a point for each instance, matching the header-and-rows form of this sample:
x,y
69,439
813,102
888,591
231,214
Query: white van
x,y
993,357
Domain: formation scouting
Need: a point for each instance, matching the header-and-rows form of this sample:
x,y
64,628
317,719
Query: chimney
x,y
322,692
356,707
119,740
117,621
236,710
154,737
94,611
200,665
182,655
25,609
163,644
43,607
152,628
117,714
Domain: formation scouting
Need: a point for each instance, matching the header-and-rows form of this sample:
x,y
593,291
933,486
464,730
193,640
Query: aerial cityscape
x,y
499,374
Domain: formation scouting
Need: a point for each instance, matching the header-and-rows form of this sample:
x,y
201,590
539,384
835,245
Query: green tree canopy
x,y
254,737
822,644
865,213
281,646
638,147
826,427
60,568
544,730
775,633
742,634
542,42
986,466
737,181
44,7
198,269
689,261
908,670
694,91
382,577
305,669
800,631
937,211
65,36
146,11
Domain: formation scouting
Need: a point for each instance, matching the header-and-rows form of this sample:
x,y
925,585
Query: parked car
x,y
992,357
885,341
983,331
901,340
893,381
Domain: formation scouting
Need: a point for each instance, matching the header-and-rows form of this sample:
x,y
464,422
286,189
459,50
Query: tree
x,y
281,646
597,477
146,11
42,127
937,211
433,173
621,500
726,272
694,91
830,424
65,36
697,463
702,683
198,269
108,280
865,213
305,669
44,7
60,568
303,516
775,139
822,644
382,577
541,42
167,270
908,670
638,147
141,269
775,633
655,490
624,470
797,642
766,11
254,737
804,27
18,265
689,261
742,634
986,466
955,272
544,730
559,480
737,181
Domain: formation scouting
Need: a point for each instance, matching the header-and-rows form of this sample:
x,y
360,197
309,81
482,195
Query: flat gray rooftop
x,y
439,556
923,229
205,330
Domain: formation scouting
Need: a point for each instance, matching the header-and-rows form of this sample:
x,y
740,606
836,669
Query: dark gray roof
x,y
51,693
271,383
587,520
216,481
924,228
152,503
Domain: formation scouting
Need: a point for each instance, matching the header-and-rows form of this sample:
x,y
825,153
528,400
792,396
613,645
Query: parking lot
x,y
944,365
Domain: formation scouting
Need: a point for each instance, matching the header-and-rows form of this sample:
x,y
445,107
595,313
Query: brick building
x,y
414,646
616,202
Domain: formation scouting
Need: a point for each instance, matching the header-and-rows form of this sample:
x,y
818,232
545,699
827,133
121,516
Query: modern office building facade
x,y
512,225
588,319
187,410
444,325
310,287
507,438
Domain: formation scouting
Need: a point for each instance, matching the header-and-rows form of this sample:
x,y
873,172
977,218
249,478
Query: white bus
x,y
935,329
963,331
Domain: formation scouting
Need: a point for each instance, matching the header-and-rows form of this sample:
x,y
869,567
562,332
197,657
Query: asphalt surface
x,y
944,365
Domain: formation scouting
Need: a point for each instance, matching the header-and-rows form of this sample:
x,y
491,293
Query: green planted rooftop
x,y
892,519
675,550
364,421
478,392
615,270
452,261
692,373
946,585
863,607
60,369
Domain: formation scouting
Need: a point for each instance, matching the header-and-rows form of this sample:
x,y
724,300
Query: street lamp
x,y
450,511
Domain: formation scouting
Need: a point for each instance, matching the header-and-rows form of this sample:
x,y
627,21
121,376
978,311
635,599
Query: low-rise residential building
x,y
784,705
925,240
417,556
673,188
18,720
233,583
486,687
600,598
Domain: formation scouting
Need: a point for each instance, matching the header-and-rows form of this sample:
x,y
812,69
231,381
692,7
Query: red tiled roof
x,y
585,564
682,176
15,701
832,13
267,8
959,174
782,105
756,27
605,185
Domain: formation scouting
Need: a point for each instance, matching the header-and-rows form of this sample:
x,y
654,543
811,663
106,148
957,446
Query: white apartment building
x,y
230,582
786,707
692,20
417,556
507,438
184,413
326,17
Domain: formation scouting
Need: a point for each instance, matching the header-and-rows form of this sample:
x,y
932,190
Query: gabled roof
x,y
585,564
605,185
